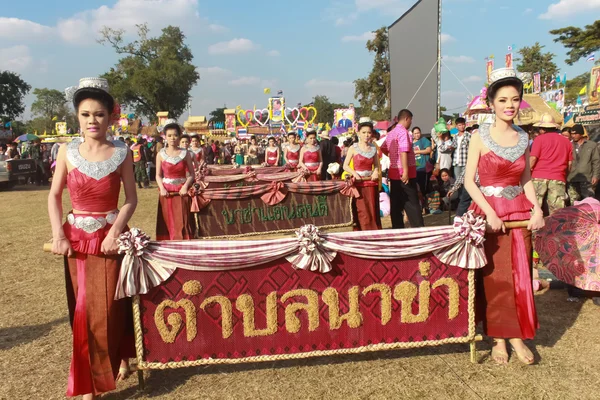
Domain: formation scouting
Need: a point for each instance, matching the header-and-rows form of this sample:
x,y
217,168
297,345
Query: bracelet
x,y
59,239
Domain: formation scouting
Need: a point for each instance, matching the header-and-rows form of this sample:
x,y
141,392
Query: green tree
x,y
37,125
218,114
373,92
534,60
574,86
49,106
581,42
155,74
12,92
325,109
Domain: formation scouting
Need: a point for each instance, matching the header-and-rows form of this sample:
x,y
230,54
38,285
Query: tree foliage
x,y
581,42
373,92
325,109
48,102
50,106
155,74
12,92
534,60
218,114
574,85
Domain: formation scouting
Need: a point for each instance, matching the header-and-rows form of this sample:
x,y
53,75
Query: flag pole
x,y
439,60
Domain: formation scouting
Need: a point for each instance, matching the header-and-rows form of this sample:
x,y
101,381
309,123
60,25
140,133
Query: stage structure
x,y
415,61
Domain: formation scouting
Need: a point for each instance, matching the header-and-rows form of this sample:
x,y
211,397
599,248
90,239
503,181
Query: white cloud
x,y
16,58
446,38
232,47
245,81
216,28
528,11
273,53
382,5
459,59
359,38
346,19
213,72
567,8
125,14
473,79
21,29
342,13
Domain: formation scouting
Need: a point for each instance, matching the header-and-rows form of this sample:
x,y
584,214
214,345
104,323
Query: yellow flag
x,y
267,90
55,118
583,90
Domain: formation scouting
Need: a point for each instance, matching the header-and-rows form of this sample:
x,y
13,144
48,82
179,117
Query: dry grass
x,y
35,342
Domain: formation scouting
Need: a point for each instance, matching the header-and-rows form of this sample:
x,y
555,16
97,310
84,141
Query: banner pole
x,y
439,60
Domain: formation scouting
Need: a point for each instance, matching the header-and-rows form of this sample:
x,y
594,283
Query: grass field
x,y
35,342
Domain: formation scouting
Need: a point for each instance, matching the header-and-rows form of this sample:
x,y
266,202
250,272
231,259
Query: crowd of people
x,y
495,171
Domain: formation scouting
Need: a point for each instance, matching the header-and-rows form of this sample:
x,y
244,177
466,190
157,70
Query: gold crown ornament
x,y
365,120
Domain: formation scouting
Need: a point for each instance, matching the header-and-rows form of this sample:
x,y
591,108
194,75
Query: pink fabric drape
x,y
522,281
203,197
155,261
80,373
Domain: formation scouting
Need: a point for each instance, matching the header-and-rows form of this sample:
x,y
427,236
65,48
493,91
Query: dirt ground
x,y
35,341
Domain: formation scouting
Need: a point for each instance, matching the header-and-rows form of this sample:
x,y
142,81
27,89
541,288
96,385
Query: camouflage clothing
x,y
579,191
554,192
141,176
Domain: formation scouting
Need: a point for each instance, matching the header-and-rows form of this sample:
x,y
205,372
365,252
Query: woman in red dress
x,y
174,176
291,152
362,162
196,150
310,156
272,153
500,153
93,168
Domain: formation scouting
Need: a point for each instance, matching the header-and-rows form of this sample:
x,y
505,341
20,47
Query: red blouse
x,y
94,186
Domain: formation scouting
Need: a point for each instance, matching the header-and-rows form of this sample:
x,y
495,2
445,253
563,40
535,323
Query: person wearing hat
x,y
585,170
550,160
328,154
93,170
499,152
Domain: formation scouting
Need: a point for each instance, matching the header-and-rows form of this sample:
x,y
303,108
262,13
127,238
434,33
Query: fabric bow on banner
x,y
147,264
276,193
137,275
312,256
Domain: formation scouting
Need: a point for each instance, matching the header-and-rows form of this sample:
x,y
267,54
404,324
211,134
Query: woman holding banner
x,y
362,162
500,153
310,157
93,168
174,176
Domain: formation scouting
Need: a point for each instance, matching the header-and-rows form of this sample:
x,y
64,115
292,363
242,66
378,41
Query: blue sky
x,y
307,48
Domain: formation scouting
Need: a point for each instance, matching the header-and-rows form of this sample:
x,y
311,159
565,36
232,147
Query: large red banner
x,y
277,312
